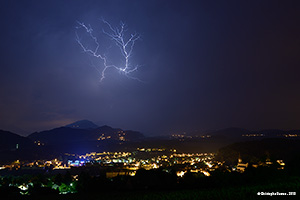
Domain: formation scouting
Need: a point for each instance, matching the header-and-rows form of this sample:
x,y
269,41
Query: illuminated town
x,y
145,158
115,164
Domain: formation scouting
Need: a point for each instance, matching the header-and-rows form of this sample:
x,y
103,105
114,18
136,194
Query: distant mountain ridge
x,y
232,132
60,135
82,131
82,137
85,136
83,124
235,132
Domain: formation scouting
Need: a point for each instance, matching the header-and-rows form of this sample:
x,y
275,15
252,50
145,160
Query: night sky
x,y
205,65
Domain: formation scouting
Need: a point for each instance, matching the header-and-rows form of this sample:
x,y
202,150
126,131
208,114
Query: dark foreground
x,y
223,186
224,193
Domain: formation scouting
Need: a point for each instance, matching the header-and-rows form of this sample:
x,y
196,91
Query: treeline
x,y
146,180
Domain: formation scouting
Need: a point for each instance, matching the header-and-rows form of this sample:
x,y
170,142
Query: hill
x,y
15,147
75,140
70,135
259,150
12,141
82,124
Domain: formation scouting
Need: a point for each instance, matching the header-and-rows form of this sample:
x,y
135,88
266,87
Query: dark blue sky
x,y
206,64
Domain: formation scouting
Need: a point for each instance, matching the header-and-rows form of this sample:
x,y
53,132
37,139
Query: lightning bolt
x,y
120,39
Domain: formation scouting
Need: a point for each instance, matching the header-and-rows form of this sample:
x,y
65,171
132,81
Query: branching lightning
x,y
118,36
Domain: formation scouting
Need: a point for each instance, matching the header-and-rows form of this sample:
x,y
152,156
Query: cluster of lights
x,y
133,162
120,136
291,135
39,143
103,137
184,136
55,163
253,135
152,149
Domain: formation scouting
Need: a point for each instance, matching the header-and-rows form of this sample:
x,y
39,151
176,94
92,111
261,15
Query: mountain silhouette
x,y
12,141
82,124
